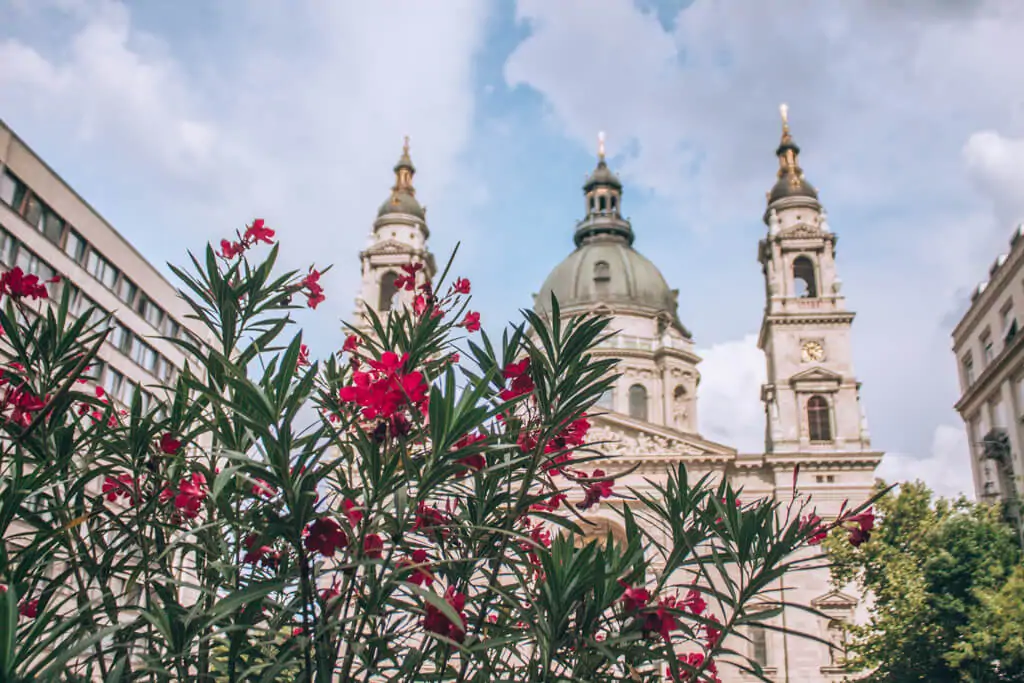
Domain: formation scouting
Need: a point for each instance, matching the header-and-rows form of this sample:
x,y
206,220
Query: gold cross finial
x,y
784,110
600,145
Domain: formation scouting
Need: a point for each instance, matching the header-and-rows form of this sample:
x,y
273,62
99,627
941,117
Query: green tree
x,y
939,572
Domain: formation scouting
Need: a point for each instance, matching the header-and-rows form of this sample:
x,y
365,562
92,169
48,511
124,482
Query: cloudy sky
x,y
181,121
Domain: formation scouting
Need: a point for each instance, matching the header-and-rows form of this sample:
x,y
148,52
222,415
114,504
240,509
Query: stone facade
x,y
990,355
816,435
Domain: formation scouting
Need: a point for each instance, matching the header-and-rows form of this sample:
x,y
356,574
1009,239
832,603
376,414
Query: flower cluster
x,y
386,388
858,526
17,285
254,233
188,496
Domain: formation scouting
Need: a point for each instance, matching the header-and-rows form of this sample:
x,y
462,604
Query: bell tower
x,y
399,238
812,397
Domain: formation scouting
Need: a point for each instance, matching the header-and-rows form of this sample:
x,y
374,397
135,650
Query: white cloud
x,y
729,406
996,163
291,113
946,469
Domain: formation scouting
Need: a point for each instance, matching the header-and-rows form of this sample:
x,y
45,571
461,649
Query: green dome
x,y
401,202
608,270
790,185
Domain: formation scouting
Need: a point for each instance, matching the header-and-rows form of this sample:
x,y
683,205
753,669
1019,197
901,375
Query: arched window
x,y
601,202
638,402
680,407
804,282
592,202
388,290
819,421
613,202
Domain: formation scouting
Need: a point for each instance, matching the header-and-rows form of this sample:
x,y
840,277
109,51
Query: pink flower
x,y
325,536
119,486
29,608
169,445
471,322
437,622
461,286
373,546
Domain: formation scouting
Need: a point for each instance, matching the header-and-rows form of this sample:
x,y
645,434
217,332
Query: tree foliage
x,y
945,585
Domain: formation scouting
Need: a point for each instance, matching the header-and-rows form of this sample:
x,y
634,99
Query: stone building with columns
x,y
815,431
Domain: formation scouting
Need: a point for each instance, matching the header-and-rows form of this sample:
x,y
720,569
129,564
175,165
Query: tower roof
x,y
791,181
601,175
403,195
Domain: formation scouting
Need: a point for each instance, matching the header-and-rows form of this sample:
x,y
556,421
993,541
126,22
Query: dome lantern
x,y
403,194
603,196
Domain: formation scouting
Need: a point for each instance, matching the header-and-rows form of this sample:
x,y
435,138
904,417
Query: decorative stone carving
x,y
615,443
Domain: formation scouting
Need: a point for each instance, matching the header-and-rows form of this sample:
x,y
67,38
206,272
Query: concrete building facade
x,y
815,431
47,229
989,353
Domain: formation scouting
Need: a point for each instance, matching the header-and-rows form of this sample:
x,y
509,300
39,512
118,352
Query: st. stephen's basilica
x,y
813,414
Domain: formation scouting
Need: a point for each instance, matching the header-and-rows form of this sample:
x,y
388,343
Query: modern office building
x,y
47,229
990,356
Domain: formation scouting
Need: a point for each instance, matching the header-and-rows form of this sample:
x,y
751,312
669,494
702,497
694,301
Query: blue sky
x,y
181,121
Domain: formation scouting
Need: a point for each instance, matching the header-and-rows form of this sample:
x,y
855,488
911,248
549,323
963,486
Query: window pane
x,y
23,259
126,290
53,227
7,244
10,189
127,392
74,246
34,212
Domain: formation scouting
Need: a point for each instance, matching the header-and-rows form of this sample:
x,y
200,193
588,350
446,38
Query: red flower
x,y
813,524
419,304
695,602
352,511
315,295
865,522
15,284
521,384
22,403
262,488
473,461
551,504
29,608
634,598
713,632
191,494
695,660
169,445
385,389
596,491
229,250
373,546
257,233
437,622
461,286
421,575
352,343
115,487
408,281
303,357
255,552
471,322
325,536
430,520
661,620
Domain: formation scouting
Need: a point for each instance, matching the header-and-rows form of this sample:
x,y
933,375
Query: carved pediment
x,y
801,231
389,246
835,601
816,375
621,436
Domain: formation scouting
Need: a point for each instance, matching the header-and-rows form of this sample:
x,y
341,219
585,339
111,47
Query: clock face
x,y
812,351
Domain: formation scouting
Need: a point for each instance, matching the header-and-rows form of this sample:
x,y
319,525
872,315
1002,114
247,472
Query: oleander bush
x,y
411,508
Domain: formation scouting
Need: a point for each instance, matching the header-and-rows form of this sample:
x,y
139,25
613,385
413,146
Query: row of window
x,y
15,194
14,253
1008,332
116,385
